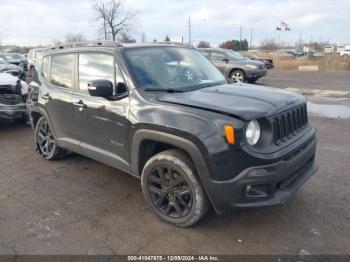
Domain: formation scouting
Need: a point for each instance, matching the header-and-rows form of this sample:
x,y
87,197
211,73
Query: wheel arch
x,y
146,141
237,68
172,141
35,116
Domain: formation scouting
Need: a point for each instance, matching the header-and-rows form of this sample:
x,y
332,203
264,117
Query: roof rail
x,y
171,43
85,44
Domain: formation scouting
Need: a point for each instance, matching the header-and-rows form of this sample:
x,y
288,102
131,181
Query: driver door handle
x,y
80,104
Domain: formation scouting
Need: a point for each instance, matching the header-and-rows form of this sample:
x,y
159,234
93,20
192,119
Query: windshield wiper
x,y
167,90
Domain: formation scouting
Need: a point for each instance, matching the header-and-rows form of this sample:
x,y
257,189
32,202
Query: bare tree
x,y
125,38
55,41
73,38
114,19
203,44
268,45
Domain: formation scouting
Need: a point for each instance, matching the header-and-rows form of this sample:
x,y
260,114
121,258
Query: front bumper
x,y
13,112
277,181
255,74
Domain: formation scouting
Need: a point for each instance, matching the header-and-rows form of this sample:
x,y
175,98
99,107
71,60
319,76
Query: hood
x,y
241,100
7,80
9,67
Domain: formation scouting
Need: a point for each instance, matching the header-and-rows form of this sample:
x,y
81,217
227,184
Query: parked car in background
x,y
166,115
296,53
268,62
13,96
33,56
345,53
6,67
235,66
15,59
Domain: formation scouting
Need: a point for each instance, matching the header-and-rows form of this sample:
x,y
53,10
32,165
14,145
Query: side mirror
x,y
100,88
226,60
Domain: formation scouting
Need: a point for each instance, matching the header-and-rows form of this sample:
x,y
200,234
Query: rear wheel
x,y
170,185
238,75
46,142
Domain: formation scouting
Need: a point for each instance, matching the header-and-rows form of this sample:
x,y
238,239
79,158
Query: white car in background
x,y
33,56
345,53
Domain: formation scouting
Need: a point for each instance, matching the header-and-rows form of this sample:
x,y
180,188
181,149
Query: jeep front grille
x,y
289,123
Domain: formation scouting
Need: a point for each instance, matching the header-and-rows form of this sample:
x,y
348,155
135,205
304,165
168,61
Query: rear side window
x,y
217,56
94,67
45,69
205,53
62,70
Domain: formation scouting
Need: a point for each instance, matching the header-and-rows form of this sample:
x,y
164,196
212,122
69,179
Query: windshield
x,y
17,56
234,55
172,68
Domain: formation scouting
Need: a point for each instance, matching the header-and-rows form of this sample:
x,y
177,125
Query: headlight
x,y
252,66
252,132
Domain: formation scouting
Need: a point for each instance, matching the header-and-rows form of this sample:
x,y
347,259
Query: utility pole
x,y
300,40
189,31
251,38
240,38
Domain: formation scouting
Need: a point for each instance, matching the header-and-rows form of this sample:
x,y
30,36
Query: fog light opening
x,y
257,191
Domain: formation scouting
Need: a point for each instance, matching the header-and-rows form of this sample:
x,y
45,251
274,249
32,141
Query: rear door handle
x,y
80,104
46,97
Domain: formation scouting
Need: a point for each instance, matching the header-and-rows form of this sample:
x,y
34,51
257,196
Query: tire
x,y
171,187
45,141
238,75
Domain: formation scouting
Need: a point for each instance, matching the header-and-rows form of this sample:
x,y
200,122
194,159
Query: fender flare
x,y
179,142
44,114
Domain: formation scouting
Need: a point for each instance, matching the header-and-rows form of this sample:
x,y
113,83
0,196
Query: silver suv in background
x,y
33,55
235,66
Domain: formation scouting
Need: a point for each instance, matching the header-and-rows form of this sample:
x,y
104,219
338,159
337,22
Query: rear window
x,y
62,70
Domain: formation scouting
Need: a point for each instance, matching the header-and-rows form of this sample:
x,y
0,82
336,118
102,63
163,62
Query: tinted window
x,y
172,67
217,56
61,70
205,53
45,67
95,66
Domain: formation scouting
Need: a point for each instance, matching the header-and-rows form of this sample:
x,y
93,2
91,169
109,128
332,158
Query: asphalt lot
x,y
79,206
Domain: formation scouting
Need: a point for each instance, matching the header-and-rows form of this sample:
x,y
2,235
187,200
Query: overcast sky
x,y
32,22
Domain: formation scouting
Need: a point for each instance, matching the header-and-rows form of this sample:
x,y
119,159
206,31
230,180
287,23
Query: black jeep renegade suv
x,y
166,115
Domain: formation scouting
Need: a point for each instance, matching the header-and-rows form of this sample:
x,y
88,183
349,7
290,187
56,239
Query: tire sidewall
x,y
238,71
190,177
53,152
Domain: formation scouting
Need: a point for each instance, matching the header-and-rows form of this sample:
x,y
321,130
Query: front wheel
x,y
238,75
45,141
171,186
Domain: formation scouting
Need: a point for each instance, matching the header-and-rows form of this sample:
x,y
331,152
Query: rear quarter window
x,y
62,70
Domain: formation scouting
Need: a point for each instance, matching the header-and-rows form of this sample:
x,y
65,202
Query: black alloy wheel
x,y
169,191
